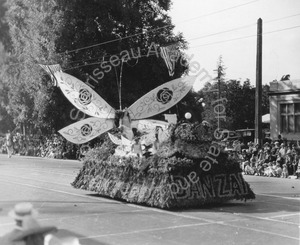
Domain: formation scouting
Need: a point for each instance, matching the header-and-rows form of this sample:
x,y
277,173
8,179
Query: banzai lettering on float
x,y
220,185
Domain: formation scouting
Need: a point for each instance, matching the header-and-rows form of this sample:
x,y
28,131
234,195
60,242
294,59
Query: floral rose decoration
x,y
164,95
85,96
86,130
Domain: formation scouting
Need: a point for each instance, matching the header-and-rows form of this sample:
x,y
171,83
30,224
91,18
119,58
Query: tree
x,y
210,95
34,27
133,26
6,121
220,79
239,103
213,92
55,31
4,33
265,99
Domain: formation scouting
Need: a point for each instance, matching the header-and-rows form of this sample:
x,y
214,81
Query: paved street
x,y
272,218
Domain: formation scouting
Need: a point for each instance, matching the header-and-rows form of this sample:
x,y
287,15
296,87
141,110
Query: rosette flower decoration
x,y
85,97
103,116
164,95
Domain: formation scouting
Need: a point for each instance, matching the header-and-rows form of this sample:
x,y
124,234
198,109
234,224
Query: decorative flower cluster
x,y
193,132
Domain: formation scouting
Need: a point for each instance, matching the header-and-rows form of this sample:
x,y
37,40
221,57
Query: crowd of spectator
x,y
273,159
51,146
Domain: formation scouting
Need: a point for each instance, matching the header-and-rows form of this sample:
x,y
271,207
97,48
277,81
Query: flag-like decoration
x,y
171,118
170,55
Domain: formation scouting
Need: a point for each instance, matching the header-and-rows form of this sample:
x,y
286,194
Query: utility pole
x,y
120,85
258,90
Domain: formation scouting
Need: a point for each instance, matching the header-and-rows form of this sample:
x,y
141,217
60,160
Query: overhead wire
x,y
282,18
75,61
243,27
204,36
221,32
212,43
155,29
244,37
207,44
102,62
213,34
101,57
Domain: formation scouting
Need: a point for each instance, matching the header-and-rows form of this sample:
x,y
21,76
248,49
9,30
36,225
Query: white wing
x,y
86,130
161,98
80,94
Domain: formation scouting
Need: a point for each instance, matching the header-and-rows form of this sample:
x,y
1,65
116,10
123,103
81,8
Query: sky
x,y
201,22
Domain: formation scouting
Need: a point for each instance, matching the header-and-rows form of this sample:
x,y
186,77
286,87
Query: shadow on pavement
x,y
258,205
255,206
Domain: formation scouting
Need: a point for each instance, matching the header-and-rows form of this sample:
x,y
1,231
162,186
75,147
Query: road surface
x,y
272,218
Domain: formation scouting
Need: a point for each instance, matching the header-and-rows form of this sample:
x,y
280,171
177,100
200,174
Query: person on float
x,y
137,148
125,125
156,142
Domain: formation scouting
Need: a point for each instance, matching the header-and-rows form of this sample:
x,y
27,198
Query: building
x,y
285,109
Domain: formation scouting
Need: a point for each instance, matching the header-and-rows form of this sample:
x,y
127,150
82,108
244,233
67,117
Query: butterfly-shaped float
x,y
103,116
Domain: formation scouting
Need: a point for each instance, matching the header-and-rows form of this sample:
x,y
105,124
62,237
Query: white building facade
x,y
285,109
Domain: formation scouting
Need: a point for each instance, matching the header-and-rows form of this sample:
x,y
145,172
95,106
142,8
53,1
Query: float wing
x,y
86,130
161,98
80,94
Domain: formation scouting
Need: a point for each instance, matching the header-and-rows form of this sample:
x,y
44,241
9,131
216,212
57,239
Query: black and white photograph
x,y
149,122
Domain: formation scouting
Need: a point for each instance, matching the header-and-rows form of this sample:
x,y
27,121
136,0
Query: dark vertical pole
x,y
120,83
258,90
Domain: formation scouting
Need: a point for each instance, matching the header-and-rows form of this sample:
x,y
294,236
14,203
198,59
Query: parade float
x,y
150,162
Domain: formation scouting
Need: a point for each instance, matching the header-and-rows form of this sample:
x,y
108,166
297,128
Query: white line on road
x,y
157,210
190,225
281,221
267,219
79,216
284,215
225,223
58,191
144,230
290,198
36,180
42,171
